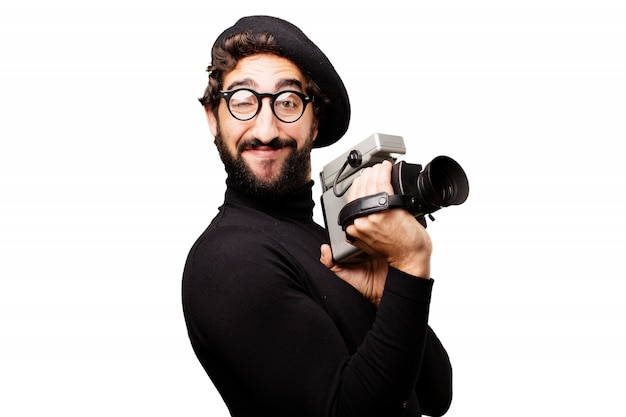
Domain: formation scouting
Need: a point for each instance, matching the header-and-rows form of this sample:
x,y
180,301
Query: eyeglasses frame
x,y
227,95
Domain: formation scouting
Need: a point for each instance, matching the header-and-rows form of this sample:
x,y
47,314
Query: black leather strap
x,y
372,204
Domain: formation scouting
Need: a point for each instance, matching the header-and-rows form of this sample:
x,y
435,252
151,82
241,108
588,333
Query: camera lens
x,y
443,183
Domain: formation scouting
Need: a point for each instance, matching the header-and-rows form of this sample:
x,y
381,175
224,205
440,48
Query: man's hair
x,y
242,45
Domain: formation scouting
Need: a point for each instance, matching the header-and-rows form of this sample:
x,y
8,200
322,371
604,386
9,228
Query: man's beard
x,y
294,173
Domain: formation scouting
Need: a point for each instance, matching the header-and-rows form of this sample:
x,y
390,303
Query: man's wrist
x,y
417,267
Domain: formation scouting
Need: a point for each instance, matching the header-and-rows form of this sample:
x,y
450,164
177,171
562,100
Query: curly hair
x,y
225,57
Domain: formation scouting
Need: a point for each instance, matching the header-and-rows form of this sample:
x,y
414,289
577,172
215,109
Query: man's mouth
x,y
274,145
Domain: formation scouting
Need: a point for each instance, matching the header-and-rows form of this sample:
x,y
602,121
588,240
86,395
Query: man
x,y
279,328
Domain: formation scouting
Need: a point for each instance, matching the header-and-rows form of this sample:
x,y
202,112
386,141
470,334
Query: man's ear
x,y
211,119
315,130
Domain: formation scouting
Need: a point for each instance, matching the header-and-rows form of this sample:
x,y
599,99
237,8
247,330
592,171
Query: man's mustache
x,y
273,144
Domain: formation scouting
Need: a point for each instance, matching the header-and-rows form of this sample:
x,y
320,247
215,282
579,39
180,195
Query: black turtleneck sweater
x,y
279,334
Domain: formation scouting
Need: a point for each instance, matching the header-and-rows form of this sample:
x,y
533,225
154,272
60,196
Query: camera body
x,y
442,183
375,149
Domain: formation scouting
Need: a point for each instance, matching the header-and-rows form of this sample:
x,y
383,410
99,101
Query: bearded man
x,y
279,328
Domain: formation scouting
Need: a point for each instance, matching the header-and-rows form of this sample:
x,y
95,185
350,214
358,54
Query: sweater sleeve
x,y
272,350
392,351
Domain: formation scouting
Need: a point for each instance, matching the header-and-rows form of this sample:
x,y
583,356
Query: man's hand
x,y
391,238
367,277
393,234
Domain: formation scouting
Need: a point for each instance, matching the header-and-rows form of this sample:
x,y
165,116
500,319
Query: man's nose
x,y
265,123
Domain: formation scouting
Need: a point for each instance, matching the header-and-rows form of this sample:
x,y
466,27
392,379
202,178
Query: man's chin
x,y
266,177
265,170
275,179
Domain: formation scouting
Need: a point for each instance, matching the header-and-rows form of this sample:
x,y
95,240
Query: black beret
x,y
298,48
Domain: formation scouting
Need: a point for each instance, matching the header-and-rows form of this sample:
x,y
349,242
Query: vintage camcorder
x,y
440,184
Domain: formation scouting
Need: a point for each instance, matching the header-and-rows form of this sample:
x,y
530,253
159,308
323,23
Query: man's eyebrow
x,y
250,83
246,82
288,82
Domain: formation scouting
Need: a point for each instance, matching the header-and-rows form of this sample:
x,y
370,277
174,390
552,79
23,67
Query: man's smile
x,y
272,150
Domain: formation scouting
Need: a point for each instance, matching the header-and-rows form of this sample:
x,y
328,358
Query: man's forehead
x,y
266,71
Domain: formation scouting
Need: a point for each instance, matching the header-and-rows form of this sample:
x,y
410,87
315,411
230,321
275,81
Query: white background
x,y
108,174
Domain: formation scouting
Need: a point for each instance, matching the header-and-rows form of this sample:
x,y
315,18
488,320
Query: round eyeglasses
x,y
288,106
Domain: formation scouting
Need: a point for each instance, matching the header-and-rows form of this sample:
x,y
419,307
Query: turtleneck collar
x,y
298,204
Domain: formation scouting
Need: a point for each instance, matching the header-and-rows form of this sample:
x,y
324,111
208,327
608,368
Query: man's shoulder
x,y
238,236
227,236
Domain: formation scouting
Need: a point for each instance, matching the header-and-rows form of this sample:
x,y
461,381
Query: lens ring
x,y
443,182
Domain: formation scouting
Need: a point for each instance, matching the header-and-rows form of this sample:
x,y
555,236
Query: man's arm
x,y
396,238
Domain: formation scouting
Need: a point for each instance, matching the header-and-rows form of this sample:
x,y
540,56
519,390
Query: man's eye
x,y
286,104
242,105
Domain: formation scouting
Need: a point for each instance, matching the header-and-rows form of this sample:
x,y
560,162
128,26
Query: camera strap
x,y
373,204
